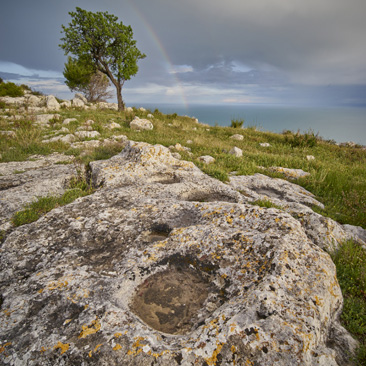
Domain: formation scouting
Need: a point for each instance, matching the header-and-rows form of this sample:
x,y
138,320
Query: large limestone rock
x,y
52,104
164,265
22,182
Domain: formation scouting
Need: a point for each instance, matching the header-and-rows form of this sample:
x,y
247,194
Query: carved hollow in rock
x,y
176,300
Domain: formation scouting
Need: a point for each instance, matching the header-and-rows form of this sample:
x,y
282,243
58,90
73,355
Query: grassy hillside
x,y
337,174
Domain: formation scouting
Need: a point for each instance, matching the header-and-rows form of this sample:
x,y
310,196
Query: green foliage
x,y
308,139
350,261
78,73
237,123
10,90
98,39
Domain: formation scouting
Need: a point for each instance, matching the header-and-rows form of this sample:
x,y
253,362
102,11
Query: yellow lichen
x,y
91,329
62,346
213,359
117,347
117,335
2,347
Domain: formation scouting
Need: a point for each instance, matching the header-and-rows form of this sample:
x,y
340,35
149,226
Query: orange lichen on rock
x,y
90,329
62,346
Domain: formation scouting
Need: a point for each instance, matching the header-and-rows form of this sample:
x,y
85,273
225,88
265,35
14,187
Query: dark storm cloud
x,y
284,48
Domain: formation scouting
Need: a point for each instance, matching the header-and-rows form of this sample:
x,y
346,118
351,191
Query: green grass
x,y
350,261
78,187
265,203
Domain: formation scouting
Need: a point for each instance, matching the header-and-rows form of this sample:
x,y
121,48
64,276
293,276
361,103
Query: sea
x,y
339,124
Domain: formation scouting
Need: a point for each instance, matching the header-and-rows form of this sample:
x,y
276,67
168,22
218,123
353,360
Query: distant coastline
x,y
340,124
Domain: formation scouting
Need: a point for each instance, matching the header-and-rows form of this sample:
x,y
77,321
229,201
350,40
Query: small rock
x,y
8,133
290,173
189,142
141,124
179,147
141,109
33,101
310,157
46,118
236,152
89,122
65,104
68,139
150,116
69,120
129,110
237,137
113,125
206,159
81,97
87,134
176,155
264,144
78,103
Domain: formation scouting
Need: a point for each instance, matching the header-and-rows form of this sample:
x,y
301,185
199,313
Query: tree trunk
x,y
121,104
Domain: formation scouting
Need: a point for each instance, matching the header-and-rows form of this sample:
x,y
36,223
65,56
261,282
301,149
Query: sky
x,y
250,52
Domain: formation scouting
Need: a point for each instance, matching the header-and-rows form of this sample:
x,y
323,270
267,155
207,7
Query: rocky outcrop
x,y
164,265
141,124
323,231
22,183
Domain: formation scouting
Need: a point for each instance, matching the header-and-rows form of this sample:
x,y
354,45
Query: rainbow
x,y
162,50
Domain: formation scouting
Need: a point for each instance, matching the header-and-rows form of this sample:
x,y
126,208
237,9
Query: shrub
x,y
237,123
10,90
308,139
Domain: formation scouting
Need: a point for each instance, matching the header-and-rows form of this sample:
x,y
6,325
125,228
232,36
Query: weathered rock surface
x,y
323,231
52,103
22,182
164,265
236,152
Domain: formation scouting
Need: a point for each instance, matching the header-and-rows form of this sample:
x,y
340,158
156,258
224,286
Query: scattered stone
x,y
85,128
176,155
87,134
310,157
179,147
113,125
206,159
8,133
65,104
69,120
89,122
104,105
237,137
189,142
67,139
264,144
236,152
33,101
121,138
150,116
356,232
78,103
87,145
113,274
290,173
141,109
44,119
129,110
141,124
81,97
52,104
13,101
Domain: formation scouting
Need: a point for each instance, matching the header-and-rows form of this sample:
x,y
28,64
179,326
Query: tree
x,y
84,77
99,40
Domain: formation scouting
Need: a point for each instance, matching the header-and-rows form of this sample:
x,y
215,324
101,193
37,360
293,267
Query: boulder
x,y
65,104
141,124
69,120
33,101
104,105
44,119
52,104
164,265
18,101
236,152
